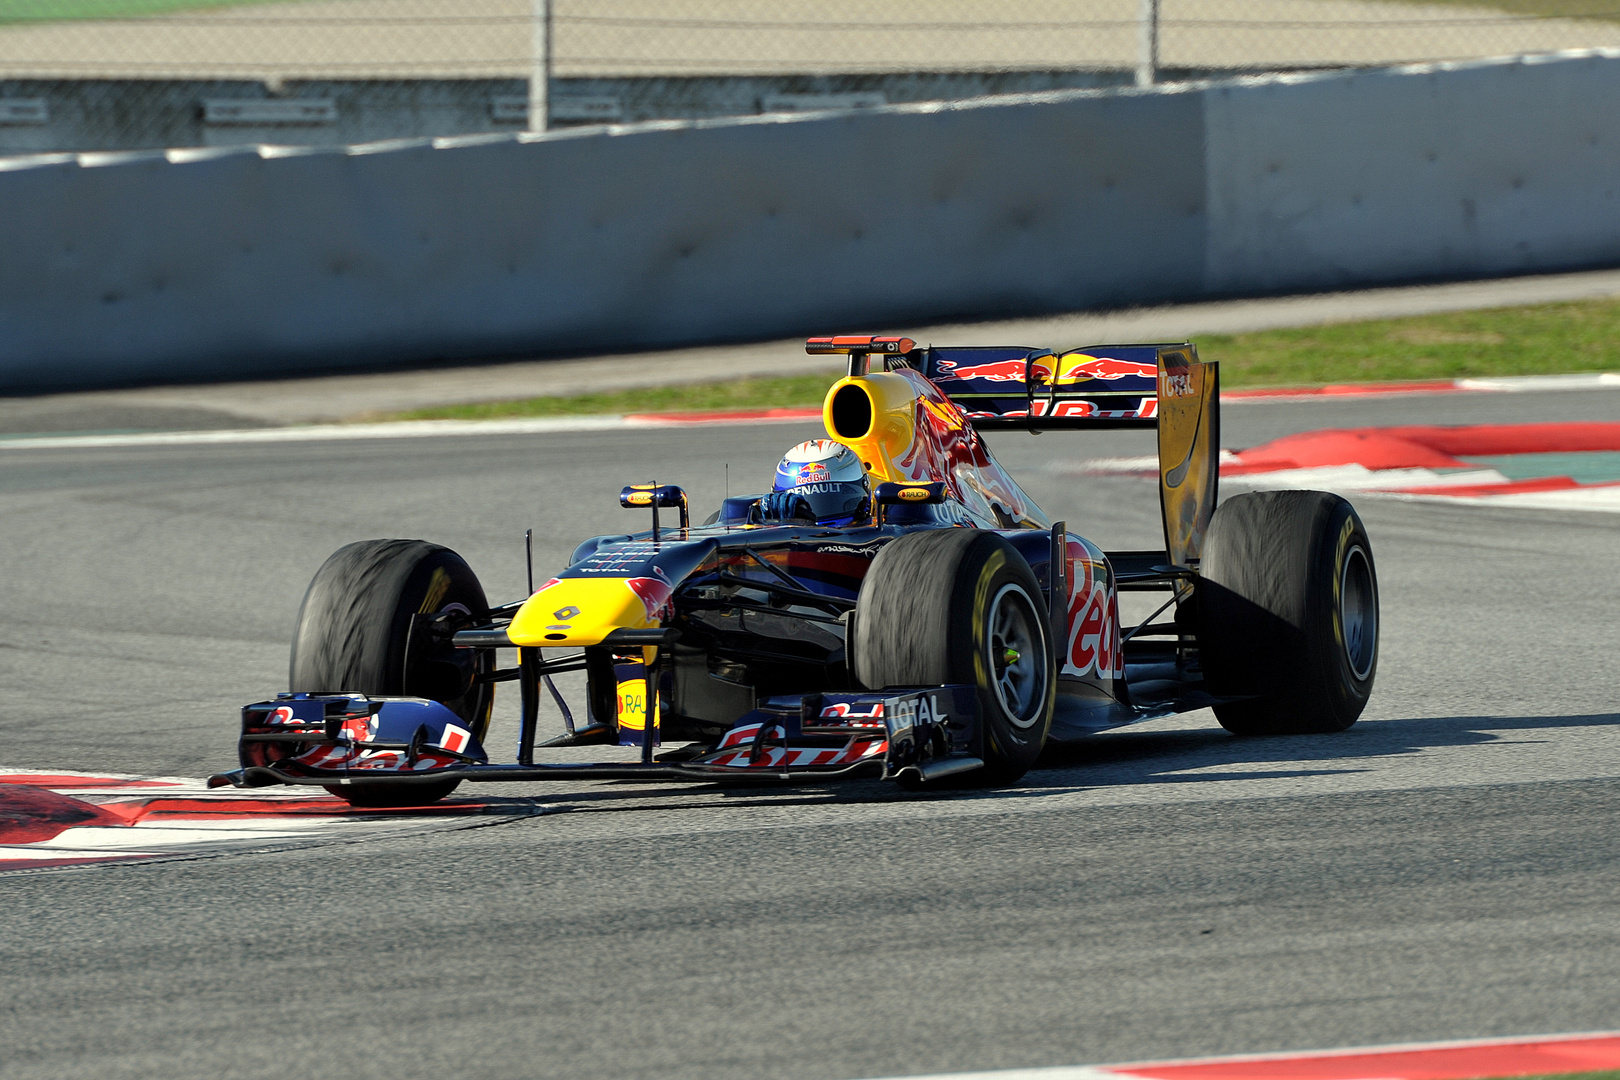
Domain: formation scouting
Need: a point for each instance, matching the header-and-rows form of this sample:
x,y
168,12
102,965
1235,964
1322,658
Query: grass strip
x,y
39,11
1546,339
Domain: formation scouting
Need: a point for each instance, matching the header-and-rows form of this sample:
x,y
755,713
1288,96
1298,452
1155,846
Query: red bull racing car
x,y
898,607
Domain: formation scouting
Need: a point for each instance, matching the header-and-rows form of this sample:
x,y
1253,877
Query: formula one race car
x,y
923,621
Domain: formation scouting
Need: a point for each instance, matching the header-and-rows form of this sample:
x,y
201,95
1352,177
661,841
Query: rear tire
x,y
354,636
1288,612
962,606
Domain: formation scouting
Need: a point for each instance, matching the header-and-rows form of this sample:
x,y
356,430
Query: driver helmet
x,y
828,476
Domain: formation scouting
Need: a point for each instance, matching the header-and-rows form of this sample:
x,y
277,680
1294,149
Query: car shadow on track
x,y
1135,756
1119,758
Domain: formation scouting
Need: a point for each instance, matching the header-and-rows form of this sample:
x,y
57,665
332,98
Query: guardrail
x,y
209,264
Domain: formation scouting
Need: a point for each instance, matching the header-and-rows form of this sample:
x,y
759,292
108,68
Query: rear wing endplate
x,y
1189,414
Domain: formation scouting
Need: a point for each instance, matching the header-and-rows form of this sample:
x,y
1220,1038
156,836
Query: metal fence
x,y
105,74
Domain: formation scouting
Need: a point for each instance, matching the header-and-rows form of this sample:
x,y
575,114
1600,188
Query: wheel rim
x,y
1358,612
1017,656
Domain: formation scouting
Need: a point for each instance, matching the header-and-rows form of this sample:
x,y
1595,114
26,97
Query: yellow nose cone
x,y
583,611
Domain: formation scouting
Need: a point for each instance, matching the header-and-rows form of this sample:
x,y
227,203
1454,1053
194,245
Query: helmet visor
x,y
833,502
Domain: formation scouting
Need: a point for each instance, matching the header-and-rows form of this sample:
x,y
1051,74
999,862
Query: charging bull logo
x,y
1073,368
1078,367
944,447
654,595
998,371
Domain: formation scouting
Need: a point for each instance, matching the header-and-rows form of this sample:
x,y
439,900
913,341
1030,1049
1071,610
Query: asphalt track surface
x,y
1446,869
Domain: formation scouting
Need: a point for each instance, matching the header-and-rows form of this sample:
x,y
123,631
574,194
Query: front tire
x,y
354,635
1288,613
962,606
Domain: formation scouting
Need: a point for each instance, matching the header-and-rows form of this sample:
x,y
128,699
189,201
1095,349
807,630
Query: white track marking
x,y
1524,384
205,823
403,429
1604,499
1385,483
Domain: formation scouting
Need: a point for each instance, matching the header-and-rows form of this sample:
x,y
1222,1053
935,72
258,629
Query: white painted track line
x,y
406,429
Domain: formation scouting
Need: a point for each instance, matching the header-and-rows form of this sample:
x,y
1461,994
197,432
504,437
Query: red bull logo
x,y
1078,367
1075,367
998,371
845,711
654,594
814,473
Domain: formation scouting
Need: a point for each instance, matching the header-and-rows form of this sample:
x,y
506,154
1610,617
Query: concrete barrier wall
x,y
210,264
1446,171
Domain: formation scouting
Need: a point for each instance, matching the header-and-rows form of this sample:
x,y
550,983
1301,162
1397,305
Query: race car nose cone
x,y
599,606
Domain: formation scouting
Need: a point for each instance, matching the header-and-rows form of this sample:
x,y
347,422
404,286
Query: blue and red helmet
x,y
829,477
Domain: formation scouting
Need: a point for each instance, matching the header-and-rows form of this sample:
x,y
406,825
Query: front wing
x,y
347,739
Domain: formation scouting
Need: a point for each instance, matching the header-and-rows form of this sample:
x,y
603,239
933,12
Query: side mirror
x,y
892,494
654,496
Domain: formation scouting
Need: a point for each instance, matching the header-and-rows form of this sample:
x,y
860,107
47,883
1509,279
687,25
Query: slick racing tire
x,y
1288,613
962,606
354,636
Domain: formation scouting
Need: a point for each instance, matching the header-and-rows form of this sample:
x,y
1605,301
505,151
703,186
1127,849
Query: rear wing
x,y
1039,390
1096,388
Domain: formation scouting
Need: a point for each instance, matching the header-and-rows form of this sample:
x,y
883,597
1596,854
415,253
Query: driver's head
x,y
829,477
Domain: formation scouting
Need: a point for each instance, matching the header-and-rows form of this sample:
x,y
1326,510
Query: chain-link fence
x,y
106,74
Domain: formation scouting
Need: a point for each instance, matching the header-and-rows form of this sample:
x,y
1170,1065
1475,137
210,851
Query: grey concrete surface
x,y
352,397
1445,869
